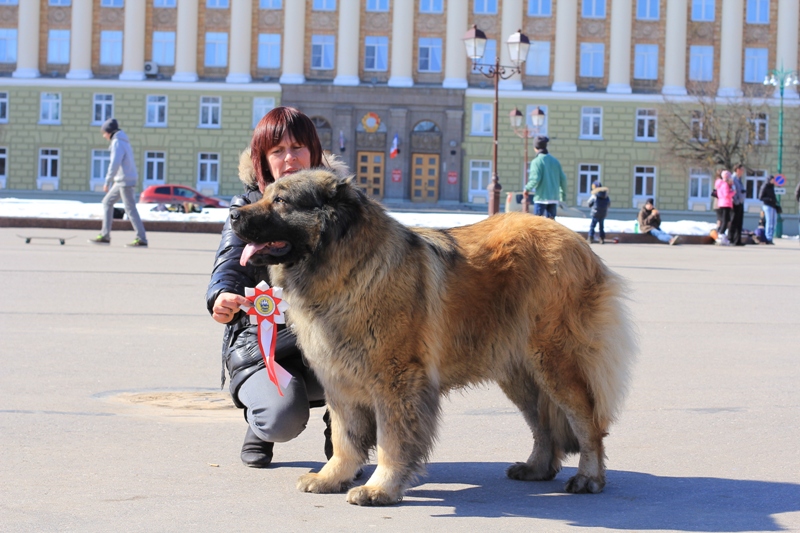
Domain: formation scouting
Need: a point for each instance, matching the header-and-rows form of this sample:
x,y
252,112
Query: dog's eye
x,y
278,200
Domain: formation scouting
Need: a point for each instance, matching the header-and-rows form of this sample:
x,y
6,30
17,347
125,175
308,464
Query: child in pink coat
x,y
725,194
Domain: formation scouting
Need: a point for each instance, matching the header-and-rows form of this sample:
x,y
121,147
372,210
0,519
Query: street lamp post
x,y
780,78
517,118
518,44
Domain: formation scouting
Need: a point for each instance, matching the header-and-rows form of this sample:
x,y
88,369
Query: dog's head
x,y
296,217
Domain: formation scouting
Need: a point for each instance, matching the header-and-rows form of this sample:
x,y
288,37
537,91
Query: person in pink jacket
x,y
725,194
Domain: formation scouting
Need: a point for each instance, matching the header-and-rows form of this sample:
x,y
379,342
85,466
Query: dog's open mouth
x,y
274,248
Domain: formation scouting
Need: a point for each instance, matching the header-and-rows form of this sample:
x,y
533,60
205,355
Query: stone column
x,y
133,41
186,42
403,42
619,64
80,48
731,49
511,21
786,57
455,57
294,40
566,45
347,45
241,34
675,49
27,40
398,123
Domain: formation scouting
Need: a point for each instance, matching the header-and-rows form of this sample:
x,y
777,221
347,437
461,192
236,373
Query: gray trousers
x,y
276,418
117,190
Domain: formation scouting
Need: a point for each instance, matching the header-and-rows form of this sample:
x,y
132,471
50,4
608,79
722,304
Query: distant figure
x,y
121,180
599,203
769,207
546,180
650,222
735,229
725,194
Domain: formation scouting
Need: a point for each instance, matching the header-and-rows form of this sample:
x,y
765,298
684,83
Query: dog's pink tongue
x,y
248,252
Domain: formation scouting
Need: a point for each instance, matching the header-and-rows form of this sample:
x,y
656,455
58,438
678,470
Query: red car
x,y
178,194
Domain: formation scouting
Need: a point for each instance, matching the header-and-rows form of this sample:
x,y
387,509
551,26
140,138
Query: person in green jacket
x,y
546,180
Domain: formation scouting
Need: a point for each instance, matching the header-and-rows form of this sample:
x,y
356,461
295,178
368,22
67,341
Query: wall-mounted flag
x,y
395,149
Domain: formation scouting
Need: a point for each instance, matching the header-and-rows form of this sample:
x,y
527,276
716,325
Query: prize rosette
x,y
267,310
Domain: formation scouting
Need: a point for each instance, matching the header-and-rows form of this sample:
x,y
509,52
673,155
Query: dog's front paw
x,y
581,484
320,485
372,495
526,472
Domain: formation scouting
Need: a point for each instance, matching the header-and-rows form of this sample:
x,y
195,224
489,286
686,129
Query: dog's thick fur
x,y
390,318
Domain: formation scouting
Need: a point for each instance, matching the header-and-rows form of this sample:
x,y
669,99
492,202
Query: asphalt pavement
x,y
111,417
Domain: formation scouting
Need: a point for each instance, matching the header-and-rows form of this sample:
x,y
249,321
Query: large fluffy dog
x,y
391,318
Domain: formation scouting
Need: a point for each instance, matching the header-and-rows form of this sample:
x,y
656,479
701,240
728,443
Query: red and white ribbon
x,y
267,310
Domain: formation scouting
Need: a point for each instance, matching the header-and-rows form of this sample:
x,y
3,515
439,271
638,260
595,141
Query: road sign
x,y
780,180
780,190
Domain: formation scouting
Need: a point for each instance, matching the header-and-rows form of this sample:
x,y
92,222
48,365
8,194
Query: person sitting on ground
x,y
599,203
650,222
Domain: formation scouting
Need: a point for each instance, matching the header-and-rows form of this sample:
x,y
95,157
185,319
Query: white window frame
x,y
165,4
261,106
3,107
645,173
269,50
433,49
4,166
164,48
753,180
49,108
480,170
323,52
323,5
587,174
488,58
377,6
542,130
376,48
102,108
111,47
701,63
112,3
217,4
58,47
156,111
208,165
8,38
431,6
645,62
645,119
756,61
540,8
699,190
757,12
216,52
484,7
647,9
698,127
591,123
210,112
101,160
538,61
154,169
482,119
593,9
760,125
703,10
592,60
48,180
270,4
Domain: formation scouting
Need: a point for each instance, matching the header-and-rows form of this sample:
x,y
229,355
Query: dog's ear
x,y
345,201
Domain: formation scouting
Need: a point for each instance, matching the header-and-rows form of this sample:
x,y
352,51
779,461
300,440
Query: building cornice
x,y
160,85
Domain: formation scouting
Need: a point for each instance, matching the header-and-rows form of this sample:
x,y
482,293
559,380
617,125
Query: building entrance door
x,y
369,174
425,178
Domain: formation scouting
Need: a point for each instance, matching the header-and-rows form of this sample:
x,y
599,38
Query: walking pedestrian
x,y
737,224
546,179
769,207
599,203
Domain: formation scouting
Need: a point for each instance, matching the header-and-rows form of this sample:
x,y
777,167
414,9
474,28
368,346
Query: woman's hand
x,y
227,305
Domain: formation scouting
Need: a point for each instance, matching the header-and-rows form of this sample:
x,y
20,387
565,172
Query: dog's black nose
x,y
235,214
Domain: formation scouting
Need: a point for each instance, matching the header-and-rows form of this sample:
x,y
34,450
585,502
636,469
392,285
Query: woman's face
x,y
287,157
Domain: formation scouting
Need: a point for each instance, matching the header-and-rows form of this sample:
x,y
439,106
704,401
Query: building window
x,y
164,48
647,9
703,10
541,130
645,63
755,64
430,54
3,166
207,171
8,2
270,4
261,106
376,54
698,127
540,8
3,108
322,52
595,9
58,47
103,108
644,183
592,57
591,123
112,3
101,159
324,5
482,115
760,128
480,173
110,47
701,63
646,125
489,56
64,3
217,4
155,168
753,181
758,11
269,50
164,3
48,169
699,188
431,6
210,111
8,45
377,5
587,174
156,115
216,49
485,7
50,108
538,62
